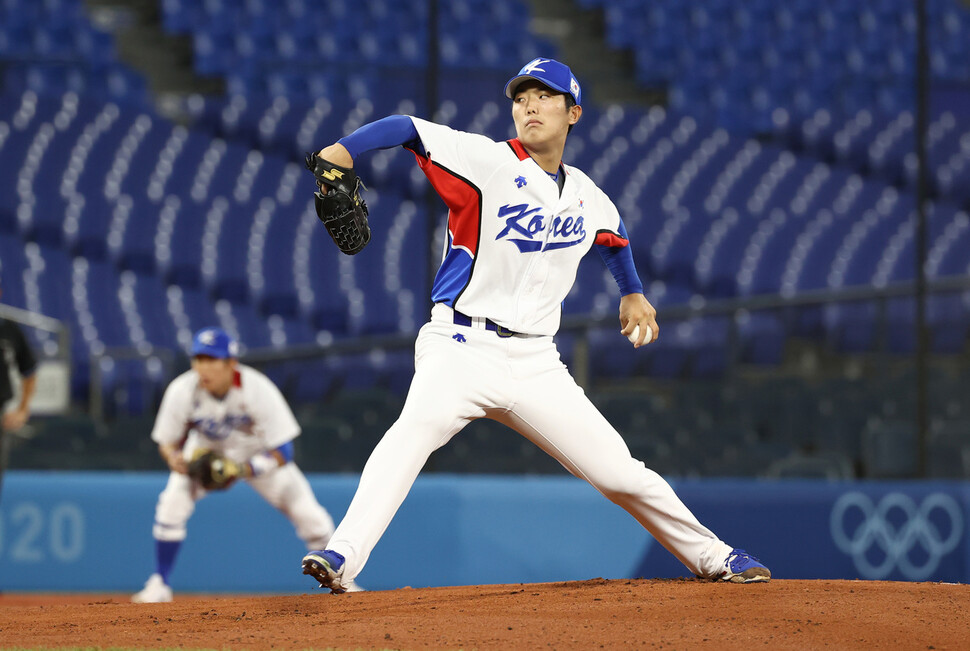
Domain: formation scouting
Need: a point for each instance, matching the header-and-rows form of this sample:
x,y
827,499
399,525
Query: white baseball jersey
x,y
513,250
252,417
514,243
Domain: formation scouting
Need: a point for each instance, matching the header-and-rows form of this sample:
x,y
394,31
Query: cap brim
x,y
515,81
210,352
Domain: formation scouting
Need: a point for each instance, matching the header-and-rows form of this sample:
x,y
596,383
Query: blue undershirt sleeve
x,y
385,133
286,450
619,260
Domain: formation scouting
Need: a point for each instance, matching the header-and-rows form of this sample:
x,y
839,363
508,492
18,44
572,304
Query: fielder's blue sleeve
x,y
618,257
385,133
286,450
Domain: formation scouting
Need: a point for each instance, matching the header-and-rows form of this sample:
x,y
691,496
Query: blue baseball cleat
x,y
327,567
742,567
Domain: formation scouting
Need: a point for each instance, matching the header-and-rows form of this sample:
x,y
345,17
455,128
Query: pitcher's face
x,y
540,114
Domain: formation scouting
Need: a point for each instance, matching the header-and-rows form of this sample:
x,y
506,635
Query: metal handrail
x,y
570,323
45,323
754,303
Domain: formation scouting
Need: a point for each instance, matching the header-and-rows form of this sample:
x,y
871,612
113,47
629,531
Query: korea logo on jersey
x,y
527,229
218,429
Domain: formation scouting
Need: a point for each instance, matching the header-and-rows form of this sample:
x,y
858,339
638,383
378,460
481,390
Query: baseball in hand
x,y
633,336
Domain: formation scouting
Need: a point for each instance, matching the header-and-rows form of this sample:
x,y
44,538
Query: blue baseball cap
x,y
214,342
550,72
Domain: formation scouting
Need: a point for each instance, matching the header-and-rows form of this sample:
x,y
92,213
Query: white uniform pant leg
x,y
287,489
445,395
555,413
176,504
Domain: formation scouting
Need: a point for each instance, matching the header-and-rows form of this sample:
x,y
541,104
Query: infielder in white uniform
x,y
238,413
519,222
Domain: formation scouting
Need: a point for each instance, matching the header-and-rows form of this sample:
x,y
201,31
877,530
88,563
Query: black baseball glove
x,y
339,205
213,471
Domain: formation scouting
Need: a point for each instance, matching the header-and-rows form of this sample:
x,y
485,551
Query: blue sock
x,y
165,552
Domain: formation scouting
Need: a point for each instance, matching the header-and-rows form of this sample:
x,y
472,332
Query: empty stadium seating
x,y
182,208
743,58
136,231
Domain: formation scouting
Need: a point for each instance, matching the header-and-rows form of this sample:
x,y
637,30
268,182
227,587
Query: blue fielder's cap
x,y
214,342
553,74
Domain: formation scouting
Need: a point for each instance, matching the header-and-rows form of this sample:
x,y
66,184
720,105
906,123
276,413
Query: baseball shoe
x,y
327,567
156,591
742,567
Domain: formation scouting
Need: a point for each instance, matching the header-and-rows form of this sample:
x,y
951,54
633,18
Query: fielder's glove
x,y
213,471
339,205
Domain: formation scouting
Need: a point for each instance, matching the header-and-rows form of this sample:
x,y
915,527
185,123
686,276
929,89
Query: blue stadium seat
x,y
314,381
669,356
130,387
46,215
611,355
851,327
768,255
720,280
294,331
901,334
949,318
328,308
49,271
190,310
229,279
248,325
372,307
710,351
148,208
277,290
100,284
761,337
13,263
406,266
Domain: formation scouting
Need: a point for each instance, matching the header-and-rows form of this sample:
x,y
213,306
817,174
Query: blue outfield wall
x,y
91,532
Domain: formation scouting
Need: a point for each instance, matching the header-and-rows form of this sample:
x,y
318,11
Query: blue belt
x,y
501,331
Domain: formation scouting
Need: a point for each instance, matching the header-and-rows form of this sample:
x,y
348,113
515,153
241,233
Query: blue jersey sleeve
x,y
286,450
618,257
385,133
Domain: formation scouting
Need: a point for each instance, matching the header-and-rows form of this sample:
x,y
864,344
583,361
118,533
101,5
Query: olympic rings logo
x,y
916,531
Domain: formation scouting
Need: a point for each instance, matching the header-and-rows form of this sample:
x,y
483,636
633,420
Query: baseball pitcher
x,y
218,423
519,222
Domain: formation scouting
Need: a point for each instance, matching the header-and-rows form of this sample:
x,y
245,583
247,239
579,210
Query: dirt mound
x,y
673,614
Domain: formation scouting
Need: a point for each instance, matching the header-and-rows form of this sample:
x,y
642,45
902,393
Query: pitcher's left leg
x,y
557,416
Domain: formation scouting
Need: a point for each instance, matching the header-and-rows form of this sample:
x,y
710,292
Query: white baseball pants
x,y
285,488
521,382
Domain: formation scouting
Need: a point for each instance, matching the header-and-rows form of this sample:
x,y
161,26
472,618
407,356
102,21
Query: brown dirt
x,y
658,613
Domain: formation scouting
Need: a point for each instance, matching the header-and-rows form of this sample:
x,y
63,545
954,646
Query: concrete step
x,y
164,59
607,75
